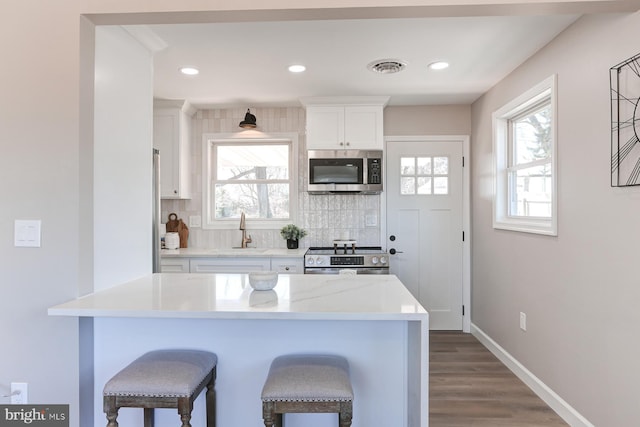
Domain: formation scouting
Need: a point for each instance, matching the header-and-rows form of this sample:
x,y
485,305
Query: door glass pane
x,y
424,185
441,165
407,185
441,185
424,166
407,165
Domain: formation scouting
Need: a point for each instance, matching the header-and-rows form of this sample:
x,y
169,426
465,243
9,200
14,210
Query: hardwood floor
x,y
470,387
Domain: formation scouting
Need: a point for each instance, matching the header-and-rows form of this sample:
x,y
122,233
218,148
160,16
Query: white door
x,y
425,225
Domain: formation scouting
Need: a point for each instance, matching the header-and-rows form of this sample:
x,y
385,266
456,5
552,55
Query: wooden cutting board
x,y
183,232
173,223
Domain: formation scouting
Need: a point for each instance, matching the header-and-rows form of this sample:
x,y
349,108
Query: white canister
x,y
172,241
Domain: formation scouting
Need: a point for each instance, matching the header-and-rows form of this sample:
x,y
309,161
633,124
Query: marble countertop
x,y
229,296
233,252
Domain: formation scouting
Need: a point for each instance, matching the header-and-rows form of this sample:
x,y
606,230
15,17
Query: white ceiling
x,y
245,64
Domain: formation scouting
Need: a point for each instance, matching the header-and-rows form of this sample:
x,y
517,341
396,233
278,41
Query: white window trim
x,y
257,224
500,119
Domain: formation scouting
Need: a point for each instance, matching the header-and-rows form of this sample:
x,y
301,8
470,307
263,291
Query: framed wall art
x,y
625,123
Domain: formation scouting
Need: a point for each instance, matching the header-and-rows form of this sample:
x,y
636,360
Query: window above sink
x,y
255,174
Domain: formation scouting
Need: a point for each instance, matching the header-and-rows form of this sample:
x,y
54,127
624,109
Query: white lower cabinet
x,y
294,265
288,265
174,265
228,265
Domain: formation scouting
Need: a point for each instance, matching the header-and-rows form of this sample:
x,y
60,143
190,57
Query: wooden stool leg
x,y
111,419
211,401
268,414
184,409
149,417
186,418
111,410
346,414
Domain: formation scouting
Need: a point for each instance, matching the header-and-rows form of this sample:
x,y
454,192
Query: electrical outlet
x,y
370,220
19,395
523,321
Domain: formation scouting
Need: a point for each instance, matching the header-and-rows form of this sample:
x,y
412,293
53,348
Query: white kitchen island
x,y
372,320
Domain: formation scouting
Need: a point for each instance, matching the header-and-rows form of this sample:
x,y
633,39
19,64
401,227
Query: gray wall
x,y
579,289
39,174
427,120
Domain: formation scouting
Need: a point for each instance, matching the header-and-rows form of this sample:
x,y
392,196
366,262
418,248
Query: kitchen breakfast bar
x,y
373,321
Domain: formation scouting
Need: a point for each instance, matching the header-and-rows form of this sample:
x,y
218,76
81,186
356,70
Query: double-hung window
x,y
256,176
524,149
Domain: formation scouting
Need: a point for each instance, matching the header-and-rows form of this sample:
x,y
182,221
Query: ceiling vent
x,y
386,66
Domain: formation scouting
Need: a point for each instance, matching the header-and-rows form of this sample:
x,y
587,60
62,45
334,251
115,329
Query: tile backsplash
x,y
325,217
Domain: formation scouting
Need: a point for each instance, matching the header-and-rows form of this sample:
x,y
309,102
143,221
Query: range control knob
x,y
374,260
383,260
319,261
310,261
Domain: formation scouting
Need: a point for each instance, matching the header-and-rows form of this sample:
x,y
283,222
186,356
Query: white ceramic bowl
x,y
263,280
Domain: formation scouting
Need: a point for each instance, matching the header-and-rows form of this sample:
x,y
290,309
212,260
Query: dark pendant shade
x,y
249,121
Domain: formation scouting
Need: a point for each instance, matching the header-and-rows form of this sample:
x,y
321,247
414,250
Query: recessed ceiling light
x,y
439,65
297,68
189,71
386,66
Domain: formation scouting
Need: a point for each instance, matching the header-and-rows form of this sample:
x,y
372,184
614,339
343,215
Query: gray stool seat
x,y
307,384
163,379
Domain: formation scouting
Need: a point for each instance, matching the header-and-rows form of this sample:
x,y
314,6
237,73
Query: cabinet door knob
x,y
175,191
286,268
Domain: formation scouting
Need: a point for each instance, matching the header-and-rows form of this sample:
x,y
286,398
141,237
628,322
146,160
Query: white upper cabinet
x,y
336,123
171,135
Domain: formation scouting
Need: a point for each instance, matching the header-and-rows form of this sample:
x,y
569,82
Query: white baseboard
x,y
551,398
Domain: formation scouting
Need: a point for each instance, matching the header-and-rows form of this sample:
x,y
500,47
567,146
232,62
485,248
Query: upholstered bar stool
x,y
307,384
163,379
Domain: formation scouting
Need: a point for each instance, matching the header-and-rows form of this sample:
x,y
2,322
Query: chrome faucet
x,y
243,227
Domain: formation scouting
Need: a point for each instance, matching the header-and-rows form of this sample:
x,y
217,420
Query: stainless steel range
x,y
345,255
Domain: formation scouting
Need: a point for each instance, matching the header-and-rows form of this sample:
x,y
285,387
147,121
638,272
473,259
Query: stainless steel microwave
x,y
344,171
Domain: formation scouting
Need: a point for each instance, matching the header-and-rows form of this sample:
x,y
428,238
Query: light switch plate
x,y
195,221
27,233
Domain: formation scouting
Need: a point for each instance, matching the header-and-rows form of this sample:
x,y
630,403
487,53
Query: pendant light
x,y
249,121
